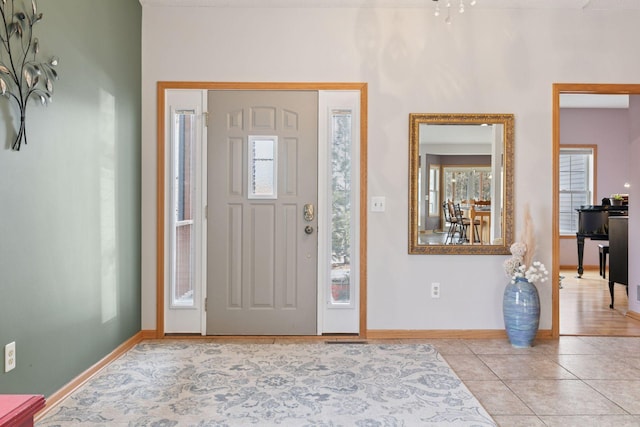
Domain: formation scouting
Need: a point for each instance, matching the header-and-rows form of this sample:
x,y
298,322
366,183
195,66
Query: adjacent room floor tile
x,y
567,345
599,367
508,367
562,397
497,399
450,346
470,367
501,346
518,421
623,392
617,346
591,421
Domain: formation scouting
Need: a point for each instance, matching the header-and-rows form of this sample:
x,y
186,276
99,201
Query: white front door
x,y
262,212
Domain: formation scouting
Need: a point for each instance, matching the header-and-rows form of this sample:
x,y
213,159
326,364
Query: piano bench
x,y
604,250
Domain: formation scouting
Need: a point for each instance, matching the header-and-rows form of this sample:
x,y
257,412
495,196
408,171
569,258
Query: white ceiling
x,y
483,4
456,139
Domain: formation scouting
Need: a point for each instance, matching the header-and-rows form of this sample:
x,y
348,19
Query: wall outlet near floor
x,y
435,290
9,356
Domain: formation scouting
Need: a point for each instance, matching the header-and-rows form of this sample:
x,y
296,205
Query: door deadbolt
x,y
308,212
308,229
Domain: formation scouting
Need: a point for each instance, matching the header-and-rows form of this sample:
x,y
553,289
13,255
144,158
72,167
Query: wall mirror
x,y
460,183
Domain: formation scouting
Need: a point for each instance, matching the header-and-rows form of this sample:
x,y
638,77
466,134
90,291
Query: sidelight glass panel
x,y
182,203
341,200
263,167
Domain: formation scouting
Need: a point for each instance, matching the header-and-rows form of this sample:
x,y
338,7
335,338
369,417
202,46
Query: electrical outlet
x,y
9,356
435,290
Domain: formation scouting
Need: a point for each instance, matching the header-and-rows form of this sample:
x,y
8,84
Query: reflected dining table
x,y
482,213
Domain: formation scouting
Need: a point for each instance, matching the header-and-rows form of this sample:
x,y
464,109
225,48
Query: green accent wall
x,y
70,200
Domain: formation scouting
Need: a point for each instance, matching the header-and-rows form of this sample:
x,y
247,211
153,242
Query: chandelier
x,y
447,5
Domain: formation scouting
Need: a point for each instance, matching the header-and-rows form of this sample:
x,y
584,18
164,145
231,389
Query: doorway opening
x,y
588,312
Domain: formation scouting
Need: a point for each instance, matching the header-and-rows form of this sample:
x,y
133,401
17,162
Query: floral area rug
x,y
203,383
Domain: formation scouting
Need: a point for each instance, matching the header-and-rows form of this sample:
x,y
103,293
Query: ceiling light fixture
x,y
461,8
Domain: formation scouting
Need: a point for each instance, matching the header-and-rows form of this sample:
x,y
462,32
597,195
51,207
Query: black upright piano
x,y
593,222
618,253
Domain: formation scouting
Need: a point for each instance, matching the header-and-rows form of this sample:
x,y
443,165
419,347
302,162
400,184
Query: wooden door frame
x,y
163,86
580,88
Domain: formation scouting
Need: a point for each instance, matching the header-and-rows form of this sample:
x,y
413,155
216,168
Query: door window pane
x,y
263,167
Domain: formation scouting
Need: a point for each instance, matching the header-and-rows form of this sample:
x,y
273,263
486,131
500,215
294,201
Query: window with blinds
x,y
576,185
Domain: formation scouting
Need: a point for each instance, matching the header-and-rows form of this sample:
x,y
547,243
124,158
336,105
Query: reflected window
x,y
182,199
463,184
434,190
576,185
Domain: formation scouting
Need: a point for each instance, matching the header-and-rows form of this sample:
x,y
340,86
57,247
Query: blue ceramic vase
x,y
521,310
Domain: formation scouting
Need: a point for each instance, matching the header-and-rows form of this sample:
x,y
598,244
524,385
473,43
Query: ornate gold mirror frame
x,y
477,151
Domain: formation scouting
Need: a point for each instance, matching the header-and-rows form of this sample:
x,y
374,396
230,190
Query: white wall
x,y
487,61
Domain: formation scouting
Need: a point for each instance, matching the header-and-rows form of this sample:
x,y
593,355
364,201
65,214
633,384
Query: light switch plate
x,y
378,204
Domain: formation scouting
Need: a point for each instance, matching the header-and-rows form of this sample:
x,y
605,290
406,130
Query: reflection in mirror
x,y
460,183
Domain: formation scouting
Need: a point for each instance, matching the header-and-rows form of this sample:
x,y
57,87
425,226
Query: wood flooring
x,y
584,307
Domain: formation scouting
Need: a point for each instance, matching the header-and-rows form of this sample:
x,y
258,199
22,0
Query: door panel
x,y
262,266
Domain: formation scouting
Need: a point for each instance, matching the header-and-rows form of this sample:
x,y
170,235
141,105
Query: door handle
x,y
308,213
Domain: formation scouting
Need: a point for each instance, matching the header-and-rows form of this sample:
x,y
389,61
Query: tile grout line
x,y
584,381
477,356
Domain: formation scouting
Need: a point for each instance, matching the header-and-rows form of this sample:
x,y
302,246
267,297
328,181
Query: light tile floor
x,y
574,381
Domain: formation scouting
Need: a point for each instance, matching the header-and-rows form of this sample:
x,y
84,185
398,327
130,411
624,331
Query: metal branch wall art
x,y
22,77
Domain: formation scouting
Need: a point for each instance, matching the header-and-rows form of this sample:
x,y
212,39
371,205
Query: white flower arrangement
x,y
521,265
511,265
536,273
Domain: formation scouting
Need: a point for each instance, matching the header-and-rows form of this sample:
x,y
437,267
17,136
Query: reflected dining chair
x,y
450,223
456,224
